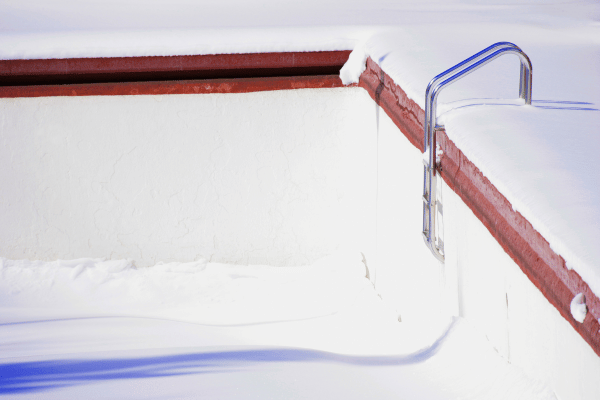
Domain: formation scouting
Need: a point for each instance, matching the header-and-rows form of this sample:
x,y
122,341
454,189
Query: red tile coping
x,y
545,268
240,85
159,68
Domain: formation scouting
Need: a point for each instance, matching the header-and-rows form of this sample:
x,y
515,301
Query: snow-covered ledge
x,y
498,259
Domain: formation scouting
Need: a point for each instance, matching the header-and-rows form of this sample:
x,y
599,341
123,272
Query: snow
x,y
540,157
578,307
548,178
355,66
103,329
95,28
175,290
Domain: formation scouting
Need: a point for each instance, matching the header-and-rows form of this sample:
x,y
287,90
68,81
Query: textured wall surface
x,y
406,274
495,294
278,177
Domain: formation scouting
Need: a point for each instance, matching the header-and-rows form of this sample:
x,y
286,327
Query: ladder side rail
x,y
464,64
434,89
524,84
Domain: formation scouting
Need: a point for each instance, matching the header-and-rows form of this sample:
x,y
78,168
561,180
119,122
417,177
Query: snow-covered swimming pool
x,y
411,42
103,329
280,178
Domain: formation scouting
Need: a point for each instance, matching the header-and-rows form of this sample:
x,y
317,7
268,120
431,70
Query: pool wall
x,y
499,273
277,177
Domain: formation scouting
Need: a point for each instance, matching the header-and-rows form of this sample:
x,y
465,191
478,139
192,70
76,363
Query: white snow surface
x,y
545,162
95,28
578,307
355,66
103,329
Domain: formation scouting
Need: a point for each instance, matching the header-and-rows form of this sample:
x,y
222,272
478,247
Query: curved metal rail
x,y
430,203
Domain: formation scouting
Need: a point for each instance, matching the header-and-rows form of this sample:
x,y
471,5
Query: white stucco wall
x,y
519,322
407,275
279,178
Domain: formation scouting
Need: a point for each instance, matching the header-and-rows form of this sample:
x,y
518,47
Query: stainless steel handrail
x,y
464,64
430,204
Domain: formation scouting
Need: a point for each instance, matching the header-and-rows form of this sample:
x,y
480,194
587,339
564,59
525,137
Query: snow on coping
x,y
578,307
543,157
539,157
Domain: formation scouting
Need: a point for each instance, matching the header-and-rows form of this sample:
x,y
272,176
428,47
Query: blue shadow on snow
x,y
38,376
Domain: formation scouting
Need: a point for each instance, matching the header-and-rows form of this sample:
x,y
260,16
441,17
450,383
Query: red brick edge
x,y
240,85
546,269
158,68
405,113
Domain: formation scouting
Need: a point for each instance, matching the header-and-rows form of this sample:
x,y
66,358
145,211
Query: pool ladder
x,y
431,205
